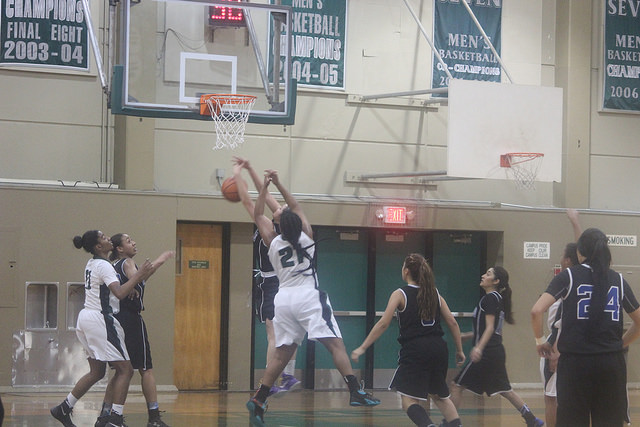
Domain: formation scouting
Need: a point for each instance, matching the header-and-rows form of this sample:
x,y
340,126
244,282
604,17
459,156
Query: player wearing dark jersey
x,y
424,357
591,384
135,330
486,372
267,280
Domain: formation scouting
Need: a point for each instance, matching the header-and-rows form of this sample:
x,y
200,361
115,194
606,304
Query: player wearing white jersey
x,y
98,330
300,307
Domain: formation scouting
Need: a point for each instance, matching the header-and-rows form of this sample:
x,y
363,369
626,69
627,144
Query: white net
x,y
230,114
522,168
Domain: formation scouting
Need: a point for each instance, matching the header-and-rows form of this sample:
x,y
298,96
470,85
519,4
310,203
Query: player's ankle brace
x,y
526,413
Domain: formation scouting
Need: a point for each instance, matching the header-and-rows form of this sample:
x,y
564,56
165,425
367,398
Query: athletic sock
x,y
526,413
153,405
262,393
418,415
352,383
453,423
290,369
117,409
71,400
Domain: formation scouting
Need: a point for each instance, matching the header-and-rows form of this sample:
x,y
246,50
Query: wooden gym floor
x,y
303,408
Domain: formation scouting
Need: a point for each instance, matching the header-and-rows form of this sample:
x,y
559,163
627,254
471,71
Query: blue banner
x,y
460,43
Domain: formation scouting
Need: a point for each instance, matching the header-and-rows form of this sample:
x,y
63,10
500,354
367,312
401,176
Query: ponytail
x,y
505,290
422,274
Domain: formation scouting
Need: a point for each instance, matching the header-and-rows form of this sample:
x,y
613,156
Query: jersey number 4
x,y
612,306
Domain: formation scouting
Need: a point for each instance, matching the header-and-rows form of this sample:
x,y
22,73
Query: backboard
x,y
174,51
487,120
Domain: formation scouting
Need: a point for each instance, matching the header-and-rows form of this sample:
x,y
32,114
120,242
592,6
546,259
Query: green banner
x,y
460,43
319,42
43,33
621,67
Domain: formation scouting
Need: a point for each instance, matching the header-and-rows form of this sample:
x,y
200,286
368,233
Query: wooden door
x,y
198,303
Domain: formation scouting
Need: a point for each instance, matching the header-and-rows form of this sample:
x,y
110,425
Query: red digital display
x,y
226,16
395,214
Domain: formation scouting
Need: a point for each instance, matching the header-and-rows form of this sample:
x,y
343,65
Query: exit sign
x,y
395,214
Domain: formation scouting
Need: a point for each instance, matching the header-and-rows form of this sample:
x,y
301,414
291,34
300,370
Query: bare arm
x,y
241,185
271,202
634,331
265,227
123,291
573,216
396,300
454,328
537,313
291,202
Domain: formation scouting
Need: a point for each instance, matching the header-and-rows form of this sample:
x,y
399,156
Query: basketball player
x,y
548,364
300,307
592,372
98,330
135,330
424,357
267,289
486,371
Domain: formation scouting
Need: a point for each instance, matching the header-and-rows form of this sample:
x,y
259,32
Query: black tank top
x,y
411,325
136,304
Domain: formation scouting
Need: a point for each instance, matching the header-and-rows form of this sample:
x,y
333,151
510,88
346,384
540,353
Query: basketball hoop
x,y
522,167
230,114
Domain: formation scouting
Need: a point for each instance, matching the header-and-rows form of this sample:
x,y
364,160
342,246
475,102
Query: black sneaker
x,y
115,420
256,412
62,413
157,422
102,421
362,398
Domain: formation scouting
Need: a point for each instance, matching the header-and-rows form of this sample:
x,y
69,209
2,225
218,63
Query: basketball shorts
x,y
592,388
265,293
303,310
489,375
422,368
136,339
548,378
101,336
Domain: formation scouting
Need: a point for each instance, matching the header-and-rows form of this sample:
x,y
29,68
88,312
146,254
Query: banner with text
x,y
460,43
319,37
44,33
621,85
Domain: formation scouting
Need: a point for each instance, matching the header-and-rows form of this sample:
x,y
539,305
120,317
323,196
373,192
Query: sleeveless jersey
x,y
411,325
261,254
491,304
97,296
293,269
575,285
136,304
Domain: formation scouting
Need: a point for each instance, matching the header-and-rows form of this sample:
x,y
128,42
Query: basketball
x,y
230,190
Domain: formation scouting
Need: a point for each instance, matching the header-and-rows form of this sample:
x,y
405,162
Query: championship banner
x,y
50,33
621,66
460,43
319,37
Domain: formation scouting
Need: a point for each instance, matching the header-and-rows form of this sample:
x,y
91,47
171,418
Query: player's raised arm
x,y
290,201
265,227
270,201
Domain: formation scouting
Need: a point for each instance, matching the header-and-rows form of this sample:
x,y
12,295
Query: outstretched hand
x,y
239,161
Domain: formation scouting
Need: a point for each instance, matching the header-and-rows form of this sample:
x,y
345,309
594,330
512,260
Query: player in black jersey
x,y
486,371
135,330
267,286
592,372
424,357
